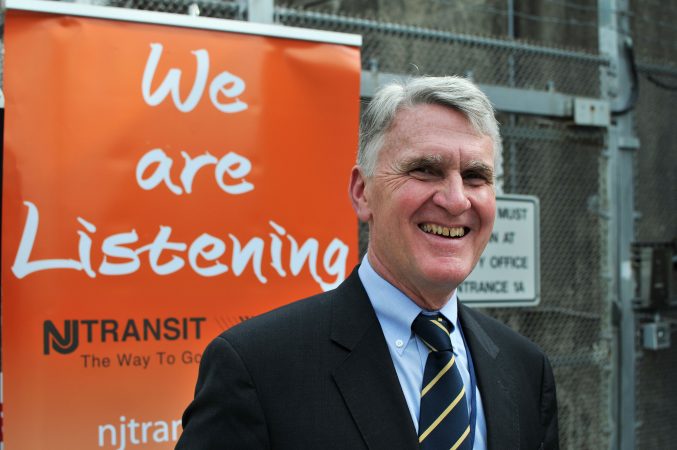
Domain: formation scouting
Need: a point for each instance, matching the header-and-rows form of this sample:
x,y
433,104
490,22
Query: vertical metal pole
x,y
616,85
511,18
261,11
512,186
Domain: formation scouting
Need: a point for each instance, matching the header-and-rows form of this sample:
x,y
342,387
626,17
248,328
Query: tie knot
x,y
434,331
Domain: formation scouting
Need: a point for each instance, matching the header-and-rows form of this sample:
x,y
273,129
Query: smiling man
x,y
391,359
430,202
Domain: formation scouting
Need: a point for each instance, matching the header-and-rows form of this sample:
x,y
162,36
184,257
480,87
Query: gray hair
x,y
452,92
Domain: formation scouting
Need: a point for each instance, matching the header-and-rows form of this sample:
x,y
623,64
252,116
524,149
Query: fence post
x,y
619,86
261,11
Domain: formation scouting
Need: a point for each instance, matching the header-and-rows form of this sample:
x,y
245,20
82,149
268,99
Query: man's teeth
x,y
443,231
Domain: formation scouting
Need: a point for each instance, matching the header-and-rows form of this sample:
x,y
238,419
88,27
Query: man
x,y
352,368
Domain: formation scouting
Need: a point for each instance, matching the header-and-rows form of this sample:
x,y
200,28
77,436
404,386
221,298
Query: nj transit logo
x,y
67,339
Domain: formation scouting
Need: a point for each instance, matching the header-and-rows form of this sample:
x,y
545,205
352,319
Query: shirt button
x,y
399,343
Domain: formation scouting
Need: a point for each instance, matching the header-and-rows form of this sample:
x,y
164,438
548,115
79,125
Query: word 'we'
x,y
225,83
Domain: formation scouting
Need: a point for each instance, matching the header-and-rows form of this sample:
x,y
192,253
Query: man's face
x,y
430,203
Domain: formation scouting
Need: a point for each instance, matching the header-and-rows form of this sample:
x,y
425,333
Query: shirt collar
x,y
394,310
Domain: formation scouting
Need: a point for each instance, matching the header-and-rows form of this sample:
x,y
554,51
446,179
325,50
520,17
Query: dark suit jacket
x,y
317,374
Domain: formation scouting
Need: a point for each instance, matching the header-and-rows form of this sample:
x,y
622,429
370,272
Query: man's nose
x,y
451,195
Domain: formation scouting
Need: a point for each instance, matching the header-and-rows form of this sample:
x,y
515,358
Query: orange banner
x,y
160,185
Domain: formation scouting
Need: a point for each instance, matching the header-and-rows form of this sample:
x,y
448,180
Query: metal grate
x,y
656,203
656,394
654,27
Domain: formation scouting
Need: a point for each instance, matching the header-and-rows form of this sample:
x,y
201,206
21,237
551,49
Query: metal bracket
x,y
591,112
628,142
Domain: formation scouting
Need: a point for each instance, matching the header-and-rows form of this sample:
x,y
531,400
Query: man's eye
x,y
424,172
475,177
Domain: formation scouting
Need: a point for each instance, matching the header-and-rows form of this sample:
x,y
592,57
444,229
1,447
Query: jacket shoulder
x,y
290,321
508,339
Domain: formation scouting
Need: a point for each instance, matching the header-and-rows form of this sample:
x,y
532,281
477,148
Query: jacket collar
x,y
366,377
494,381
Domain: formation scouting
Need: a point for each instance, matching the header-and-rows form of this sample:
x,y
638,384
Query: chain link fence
x,y
561,165
542,45
416,50
654,32
552,159
205,8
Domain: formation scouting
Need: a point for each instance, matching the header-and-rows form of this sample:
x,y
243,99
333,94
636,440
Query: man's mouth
x,y
439,230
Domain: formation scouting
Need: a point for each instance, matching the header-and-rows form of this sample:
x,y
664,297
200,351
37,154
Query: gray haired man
x,y
391,359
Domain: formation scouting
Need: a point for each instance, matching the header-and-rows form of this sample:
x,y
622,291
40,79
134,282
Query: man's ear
x,y
358,195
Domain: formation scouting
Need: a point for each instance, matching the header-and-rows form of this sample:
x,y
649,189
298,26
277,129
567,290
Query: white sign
x,y
508,272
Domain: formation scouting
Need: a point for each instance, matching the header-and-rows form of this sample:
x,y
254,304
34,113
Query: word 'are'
x,y
154,168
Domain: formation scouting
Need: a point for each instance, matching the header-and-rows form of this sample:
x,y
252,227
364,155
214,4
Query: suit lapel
x,y
366,378
495,384
369,385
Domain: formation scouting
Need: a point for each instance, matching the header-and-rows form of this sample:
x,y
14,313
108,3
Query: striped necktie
x,y
443,421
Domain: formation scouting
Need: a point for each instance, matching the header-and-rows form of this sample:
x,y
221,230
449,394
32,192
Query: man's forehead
x,y
431,115
436,151
425,125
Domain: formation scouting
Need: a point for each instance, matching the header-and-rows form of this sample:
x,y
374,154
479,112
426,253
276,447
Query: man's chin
x,y
445,279
446,270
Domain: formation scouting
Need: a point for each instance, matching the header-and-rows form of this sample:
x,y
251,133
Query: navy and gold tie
x,y
443,421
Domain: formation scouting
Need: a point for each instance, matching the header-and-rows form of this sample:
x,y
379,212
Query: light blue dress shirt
x,y
396,312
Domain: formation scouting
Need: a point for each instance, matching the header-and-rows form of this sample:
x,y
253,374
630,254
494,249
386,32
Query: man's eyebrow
x,y
480,167
419,162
